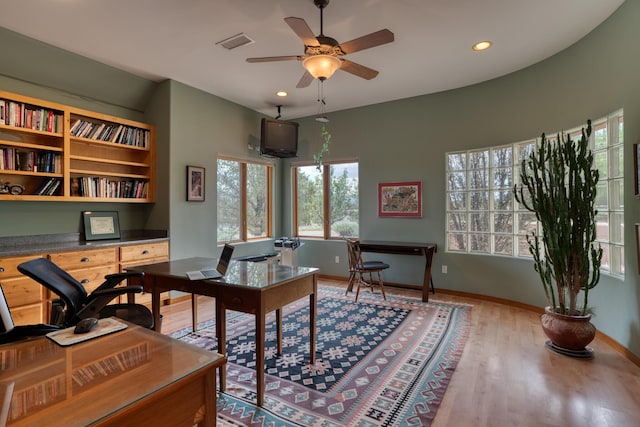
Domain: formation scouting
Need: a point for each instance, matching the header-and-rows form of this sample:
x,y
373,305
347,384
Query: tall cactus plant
x,y
558,184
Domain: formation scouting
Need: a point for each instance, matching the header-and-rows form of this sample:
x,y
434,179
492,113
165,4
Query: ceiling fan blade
x,y
368,41
300,27
276,58
305,80
358,70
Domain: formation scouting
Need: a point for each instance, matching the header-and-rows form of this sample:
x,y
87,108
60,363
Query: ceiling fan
x,y
323,54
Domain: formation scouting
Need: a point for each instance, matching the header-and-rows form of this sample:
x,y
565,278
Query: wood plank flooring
x,y
506,376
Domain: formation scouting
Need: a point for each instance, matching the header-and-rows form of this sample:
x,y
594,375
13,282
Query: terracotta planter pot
x,y
566,332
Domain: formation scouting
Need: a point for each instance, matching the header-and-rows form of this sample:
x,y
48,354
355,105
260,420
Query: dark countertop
x,y
44,243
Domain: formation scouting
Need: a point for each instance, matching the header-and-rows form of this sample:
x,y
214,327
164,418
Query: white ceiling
x,y
176,39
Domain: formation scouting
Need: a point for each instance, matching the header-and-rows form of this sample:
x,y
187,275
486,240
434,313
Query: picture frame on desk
x,y
101,225
400,199
195,184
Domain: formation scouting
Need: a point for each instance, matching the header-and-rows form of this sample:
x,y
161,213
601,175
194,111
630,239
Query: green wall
x,y
408,139
400,140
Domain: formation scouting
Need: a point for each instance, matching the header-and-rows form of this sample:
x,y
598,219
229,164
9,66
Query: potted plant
x,y
558,183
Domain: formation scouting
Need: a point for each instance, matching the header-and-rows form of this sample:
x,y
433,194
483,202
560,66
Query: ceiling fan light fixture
x,y
321,67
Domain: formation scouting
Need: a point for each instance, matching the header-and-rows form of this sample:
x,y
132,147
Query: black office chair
x,y
358,268
10,333
75,304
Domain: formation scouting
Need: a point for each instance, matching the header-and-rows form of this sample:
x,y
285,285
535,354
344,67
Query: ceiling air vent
x,y
236,41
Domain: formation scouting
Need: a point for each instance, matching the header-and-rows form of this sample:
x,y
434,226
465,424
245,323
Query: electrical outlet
x,y
444,269
337,259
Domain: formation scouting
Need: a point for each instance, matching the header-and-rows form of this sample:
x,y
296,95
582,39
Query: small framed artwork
x,y
101,225
400,199
636,169
195,184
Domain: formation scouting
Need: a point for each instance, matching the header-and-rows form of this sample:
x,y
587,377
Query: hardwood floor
x,y
506,376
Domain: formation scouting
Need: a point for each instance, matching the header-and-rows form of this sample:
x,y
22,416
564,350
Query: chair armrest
x,y
111,280
114,292
25,331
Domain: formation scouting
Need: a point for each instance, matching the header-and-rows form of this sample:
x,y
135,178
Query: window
x,y
326,200
244,200
483,217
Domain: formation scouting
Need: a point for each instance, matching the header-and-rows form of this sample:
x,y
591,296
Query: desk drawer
x,y
91,278
22,291
9,266
27,315
84,259
140,253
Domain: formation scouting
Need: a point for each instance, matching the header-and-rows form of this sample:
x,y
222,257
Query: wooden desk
x,y
407,248
248,287
131,377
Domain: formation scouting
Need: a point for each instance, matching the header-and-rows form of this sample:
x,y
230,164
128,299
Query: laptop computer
x,y
214,273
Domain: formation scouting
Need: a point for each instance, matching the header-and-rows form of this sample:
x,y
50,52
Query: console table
x,y
427,250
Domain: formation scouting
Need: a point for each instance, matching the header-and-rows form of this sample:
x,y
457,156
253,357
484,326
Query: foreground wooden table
x,y
130,377
248,287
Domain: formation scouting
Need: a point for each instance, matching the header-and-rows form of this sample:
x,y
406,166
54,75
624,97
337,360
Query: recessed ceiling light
x,y
281,93
483,45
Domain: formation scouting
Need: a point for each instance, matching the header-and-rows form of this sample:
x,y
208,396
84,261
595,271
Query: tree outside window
x,y
326,200
244,200
482,216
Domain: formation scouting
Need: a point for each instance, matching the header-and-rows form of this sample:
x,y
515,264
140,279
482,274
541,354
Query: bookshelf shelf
x,y
42,142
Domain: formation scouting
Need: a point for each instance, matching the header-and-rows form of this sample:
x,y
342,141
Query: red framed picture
x,y
400,199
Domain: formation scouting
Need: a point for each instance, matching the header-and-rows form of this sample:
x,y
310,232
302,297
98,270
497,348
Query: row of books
x,y
25,116
109,132
32,161
87,186
14,357
110,366
49,187
28,400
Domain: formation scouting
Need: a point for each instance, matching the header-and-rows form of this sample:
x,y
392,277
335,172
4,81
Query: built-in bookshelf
x,y
55,152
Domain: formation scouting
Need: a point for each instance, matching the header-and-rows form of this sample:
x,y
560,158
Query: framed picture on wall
x,y
400,199
195,184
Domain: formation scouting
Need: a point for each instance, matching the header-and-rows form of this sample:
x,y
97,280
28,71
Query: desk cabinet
x,y
24,295
30,302
88,266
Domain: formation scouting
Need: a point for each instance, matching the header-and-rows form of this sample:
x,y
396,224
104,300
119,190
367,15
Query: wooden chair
x,y
358,269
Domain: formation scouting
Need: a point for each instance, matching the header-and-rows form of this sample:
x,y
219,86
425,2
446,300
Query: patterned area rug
x,y
378,363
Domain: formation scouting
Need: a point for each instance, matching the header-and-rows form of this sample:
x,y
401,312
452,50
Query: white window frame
x,y
460,218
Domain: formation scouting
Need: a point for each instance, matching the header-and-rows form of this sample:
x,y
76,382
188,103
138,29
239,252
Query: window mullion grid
x,y
325,201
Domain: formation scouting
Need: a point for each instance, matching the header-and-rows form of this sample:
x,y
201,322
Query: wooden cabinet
x,y
51,151
88,266
25,296
146,253
30,302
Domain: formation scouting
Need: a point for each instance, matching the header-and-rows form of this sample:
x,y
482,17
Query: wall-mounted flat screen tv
x,y
278,138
